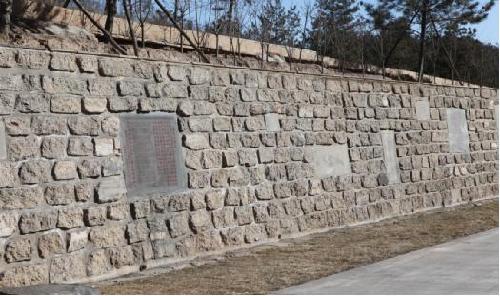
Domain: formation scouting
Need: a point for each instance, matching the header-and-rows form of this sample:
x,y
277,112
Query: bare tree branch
x,y
95,23
181,31
126,9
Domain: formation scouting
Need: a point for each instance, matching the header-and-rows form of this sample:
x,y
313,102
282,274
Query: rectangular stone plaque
x,y
152,154
390,158
3,141
422,109
458,134
331,160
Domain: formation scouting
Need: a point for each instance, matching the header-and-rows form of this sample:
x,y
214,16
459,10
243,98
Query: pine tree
x,y
5,12
437,17
275,24
333,29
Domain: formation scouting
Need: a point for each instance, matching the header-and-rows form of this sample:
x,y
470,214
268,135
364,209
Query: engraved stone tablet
x,y
422,109
390,158
152,154
458,135
3,141
272,122
331,160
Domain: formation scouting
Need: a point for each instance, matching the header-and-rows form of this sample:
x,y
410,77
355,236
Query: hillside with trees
x,y
431,37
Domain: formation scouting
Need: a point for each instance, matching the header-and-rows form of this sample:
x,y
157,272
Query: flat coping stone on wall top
x,y
193,63
53,289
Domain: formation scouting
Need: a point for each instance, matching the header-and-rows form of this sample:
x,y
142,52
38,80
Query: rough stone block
x,y
60,194
196,141
54,147
25,275
65,170
51,243
70,218
458,134
38,221
8,223
200,221
77,239
35,171
84,126
65,104
17,125
137,231
111,189
98,262
94,105
47,125
178,225
330,160
18,250
80,146
112,235
103,146
122,256
67,268
8,175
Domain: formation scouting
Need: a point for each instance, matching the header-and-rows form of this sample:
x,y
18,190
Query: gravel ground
x,y
267,268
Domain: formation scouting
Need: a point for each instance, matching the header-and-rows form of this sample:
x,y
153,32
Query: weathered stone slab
x,y
390,158
3,141
331,160
152,154
272,122
422,109
111,189
458,135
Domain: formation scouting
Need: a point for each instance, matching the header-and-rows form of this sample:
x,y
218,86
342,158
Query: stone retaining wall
x,y
265,155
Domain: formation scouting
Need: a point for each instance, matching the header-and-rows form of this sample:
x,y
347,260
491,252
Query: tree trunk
x,y
176,10
423,31
143,42
5,12
230,22
126,10
111,12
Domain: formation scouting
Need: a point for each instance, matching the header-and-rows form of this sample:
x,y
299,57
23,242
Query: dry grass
x,y
269,268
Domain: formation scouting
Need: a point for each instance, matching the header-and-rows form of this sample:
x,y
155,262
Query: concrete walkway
x,y
464,266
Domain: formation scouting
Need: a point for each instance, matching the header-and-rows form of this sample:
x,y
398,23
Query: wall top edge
x,y
168,61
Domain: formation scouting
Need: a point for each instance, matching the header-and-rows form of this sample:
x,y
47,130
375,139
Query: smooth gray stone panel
x,y
272,122
458,134
3,141
331,160
422,109
390,157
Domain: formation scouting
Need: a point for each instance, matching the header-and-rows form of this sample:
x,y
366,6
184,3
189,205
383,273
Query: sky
x,y
487,31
